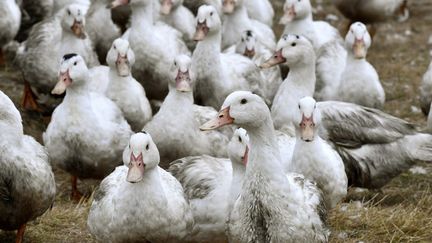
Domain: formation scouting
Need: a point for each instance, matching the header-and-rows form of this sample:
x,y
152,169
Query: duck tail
x,y
420,146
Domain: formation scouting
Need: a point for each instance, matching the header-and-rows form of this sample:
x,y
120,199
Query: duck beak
x,y
307,128
78,29
222,119
201,31
166,7
359,49
245,156
277,58
64,81
288,16
183,81
122,65
228,6
136,168
250,53
117,3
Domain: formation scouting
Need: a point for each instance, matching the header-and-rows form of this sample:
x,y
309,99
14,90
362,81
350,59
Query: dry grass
x,y
399,212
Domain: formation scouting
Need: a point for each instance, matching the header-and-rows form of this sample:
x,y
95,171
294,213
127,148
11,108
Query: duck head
x,y
292,50
140,156
207,22
73,72
121,57
247,44
228,6
182,81
241,108
166,6
358,40
238,147
307,119
74,20
295,9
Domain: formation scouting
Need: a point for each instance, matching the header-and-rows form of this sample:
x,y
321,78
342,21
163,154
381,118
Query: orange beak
x,y
359,49
277,58
136,168
228,6
122,65
183,81
117,3
78,29
201,31
166,7
288,16
64,81
307,128
222,119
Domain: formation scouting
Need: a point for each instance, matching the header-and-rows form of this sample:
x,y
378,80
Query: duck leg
x,y
28,101
76,195
20,234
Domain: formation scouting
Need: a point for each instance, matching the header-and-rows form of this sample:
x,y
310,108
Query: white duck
x,y
218,74
212,185
314,157
32,12
139,201
87,132
123,89
272,206
101,28
360,83
236,21
176,131
175,14
155,47
426,90
327,42
250,47
38,57
10,20
374,146
60,4
260,10
27,186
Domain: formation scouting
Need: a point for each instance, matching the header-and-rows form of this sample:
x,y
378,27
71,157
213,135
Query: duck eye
x,y
293,44
114,47
75,63
175,63
242,39
68,12
147,147
243,101
240,140
299,107
211,13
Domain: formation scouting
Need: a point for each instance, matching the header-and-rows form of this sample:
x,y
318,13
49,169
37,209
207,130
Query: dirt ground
x,y
399,212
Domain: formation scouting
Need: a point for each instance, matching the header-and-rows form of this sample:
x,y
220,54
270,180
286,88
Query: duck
x,y
10,21
60,4
38,57
290,207
181,18
236,20
328,45
374,146
372,11
260,10
26,177
212,185
32,12
426,90
185,138
314,158
218,74
139,201
123,89
87,132
360,82
155,47
193,5
250,46
101,28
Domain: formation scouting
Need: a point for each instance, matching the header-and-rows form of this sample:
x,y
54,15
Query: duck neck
x,y
211,44
238,18
302,26
152,181
117,81
142,15
176,99
238,171
80,89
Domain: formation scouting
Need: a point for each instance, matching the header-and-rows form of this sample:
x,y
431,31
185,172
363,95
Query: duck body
x,y
151,209
260,10
100,28
87,132
33,12
155,47
27,185
10,21
369,11
426,90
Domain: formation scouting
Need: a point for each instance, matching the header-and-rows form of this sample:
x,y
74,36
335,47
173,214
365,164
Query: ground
x,y
399,212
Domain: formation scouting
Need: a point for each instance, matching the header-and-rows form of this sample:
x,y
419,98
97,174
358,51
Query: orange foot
x,y
28,101
75,195
20,234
